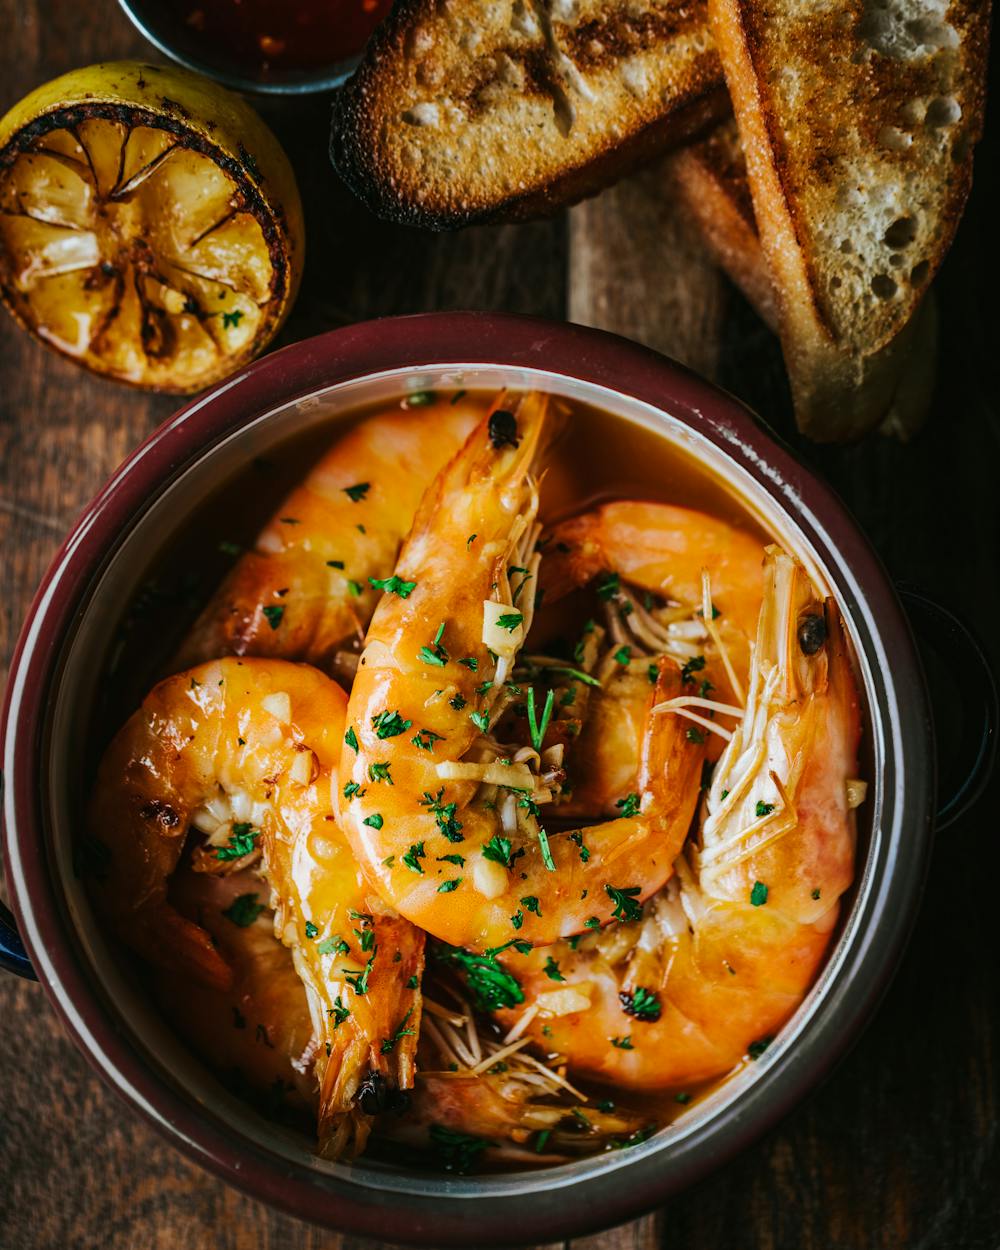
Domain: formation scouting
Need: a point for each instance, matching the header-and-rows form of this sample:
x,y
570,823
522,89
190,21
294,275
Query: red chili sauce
x,y
268,38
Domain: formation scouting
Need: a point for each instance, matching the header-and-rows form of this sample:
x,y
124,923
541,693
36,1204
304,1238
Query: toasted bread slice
x,y
709,180
463,112
858,121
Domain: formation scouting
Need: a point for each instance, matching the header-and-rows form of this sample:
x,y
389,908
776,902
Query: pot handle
x,y
13,956
964,698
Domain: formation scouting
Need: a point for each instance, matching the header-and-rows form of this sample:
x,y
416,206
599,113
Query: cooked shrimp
x,y
443,816
723,956
707,578
243,751
477,1100
307,589
260,1031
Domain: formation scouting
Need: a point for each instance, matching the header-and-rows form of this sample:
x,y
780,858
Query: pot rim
x,y
897,701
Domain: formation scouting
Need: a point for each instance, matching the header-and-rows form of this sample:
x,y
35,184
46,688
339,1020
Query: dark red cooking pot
x,y
58,684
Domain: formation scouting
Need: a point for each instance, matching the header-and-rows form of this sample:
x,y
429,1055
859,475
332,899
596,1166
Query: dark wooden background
x,y
900,1148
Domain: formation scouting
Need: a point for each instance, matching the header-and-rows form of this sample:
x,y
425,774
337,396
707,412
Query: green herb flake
x,y
242,841
509,621
623,655
531,903
641,1003
333,946
626,907
764,809
537,728
444,815
338,1012
491,986
815,894
459,1152
609,586
311,930
551,970
357,493
390,724
458,702
622,1043
351,738
498,850
380,772
543,843
420,399
629,805
393,585
470,662
446,887
481,720
413,983
758,895
413,857
243,911
230,320
652,673
425,739
273,612
756,1049
457,860
374,821
335,564
694,734
692,666
682,1098
390,1042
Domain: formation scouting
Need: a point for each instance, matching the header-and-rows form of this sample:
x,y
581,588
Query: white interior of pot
x,y
85,660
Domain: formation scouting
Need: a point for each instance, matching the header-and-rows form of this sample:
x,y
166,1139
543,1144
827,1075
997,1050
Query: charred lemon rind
x,y
130,240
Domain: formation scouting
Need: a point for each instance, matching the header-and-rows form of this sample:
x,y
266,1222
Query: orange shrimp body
x,y
305,591
260,1029
444,817
244,750
722,957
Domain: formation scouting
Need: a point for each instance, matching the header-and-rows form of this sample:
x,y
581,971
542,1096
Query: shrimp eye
x,y
375,1095
812,634
503,429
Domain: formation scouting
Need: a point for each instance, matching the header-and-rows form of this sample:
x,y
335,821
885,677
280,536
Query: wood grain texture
x,y
900,1148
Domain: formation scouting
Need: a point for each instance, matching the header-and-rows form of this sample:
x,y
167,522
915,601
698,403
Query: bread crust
x,y
459,115
858,122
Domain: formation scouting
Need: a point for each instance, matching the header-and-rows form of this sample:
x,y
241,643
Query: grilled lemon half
x,y
150,225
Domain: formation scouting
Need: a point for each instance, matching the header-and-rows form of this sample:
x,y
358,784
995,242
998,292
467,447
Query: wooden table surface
x,y
900,1147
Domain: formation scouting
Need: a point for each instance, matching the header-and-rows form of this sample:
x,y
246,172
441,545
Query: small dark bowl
x,y
154,23
54,688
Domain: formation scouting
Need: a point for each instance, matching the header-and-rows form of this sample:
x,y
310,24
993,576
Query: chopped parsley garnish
x,y
623,1043
551,970
815,894
458,702
536,727
274,612
756,1049
355,588
335,564
609,586
531,903
444,815
459,1152
764,809
457,860
230,320
398,1036
470,662
758,895
351,738
413,857
358,981
333,946
682,1098
541,1139
652,673
241,842
543,843
243,911
446,887
353,790
390,724
311,930
623,655
393,585
338,1012
358,492
641,1003
694,734
380,772
509,621
470,540
374,821
626,908
367,939
634,1139
498,850
491,986
517,919
629,805
591,923
413,982
481,720
577,837
420,399
425,739
435,653
692,666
